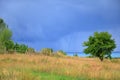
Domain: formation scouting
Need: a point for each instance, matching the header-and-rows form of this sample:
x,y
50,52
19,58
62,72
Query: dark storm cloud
x,y
48,21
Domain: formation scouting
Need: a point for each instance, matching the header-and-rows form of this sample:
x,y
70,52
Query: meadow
x,y
41,67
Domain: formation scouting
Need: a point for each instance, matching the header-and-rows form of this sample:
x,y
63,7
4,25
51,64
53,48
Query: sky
x,y
60,24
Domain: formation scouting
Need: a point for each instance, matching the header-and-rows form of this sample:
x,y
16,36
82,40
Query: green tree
x,y
6,44
16,47
100,45
5,34
2,24
9,45
21,48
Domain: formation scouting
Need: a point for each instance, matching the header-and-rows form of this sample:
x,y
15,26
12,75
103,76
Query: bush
x,y
2,49
30,50
20,48
11,51
75,55
9,45
60,53
46,51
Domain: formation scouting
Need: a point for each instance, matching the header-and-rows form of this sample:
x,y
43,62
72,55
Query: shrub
x,y
2,49
46,51
30,50
60,53
76,55
20,48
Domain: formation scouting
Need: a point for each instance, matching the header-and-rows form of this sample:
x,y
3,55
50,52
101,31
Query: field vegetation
x,y
41,67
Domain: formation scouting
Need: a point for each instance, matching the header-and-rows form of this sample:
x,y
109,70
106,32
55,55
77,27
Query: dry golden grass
x,y
17,66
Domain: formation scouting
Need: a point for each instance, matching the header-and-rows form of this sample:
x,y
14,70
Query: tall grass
x,y
40,67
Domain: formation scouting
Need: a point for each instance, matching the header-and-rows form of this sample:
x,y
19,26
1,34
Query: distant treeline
x,y
99,45
7,45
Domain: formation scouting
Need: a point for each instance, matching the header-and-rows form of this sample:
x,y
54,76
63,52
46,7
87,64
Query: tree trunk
x,y
101,58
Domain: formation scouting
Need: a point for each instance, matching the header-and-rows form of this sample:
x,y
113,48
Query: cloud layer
x,y
60,24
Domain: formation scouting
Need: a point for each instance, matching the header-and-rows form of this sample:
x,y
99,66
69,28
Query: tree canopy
x,y
5,35
6,43
100,45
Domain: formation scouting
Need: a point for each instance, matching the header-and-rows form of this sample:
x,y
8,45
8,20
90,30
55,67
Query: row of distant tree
x,y
99,45
7,45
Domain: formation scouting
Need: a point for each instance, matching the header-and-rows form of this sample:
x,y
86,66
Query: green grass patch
x,y
31,74
52,76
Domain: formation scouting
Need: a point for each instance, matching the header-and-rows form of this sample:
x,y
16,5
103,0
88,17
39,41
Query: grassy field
x,y
39,67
